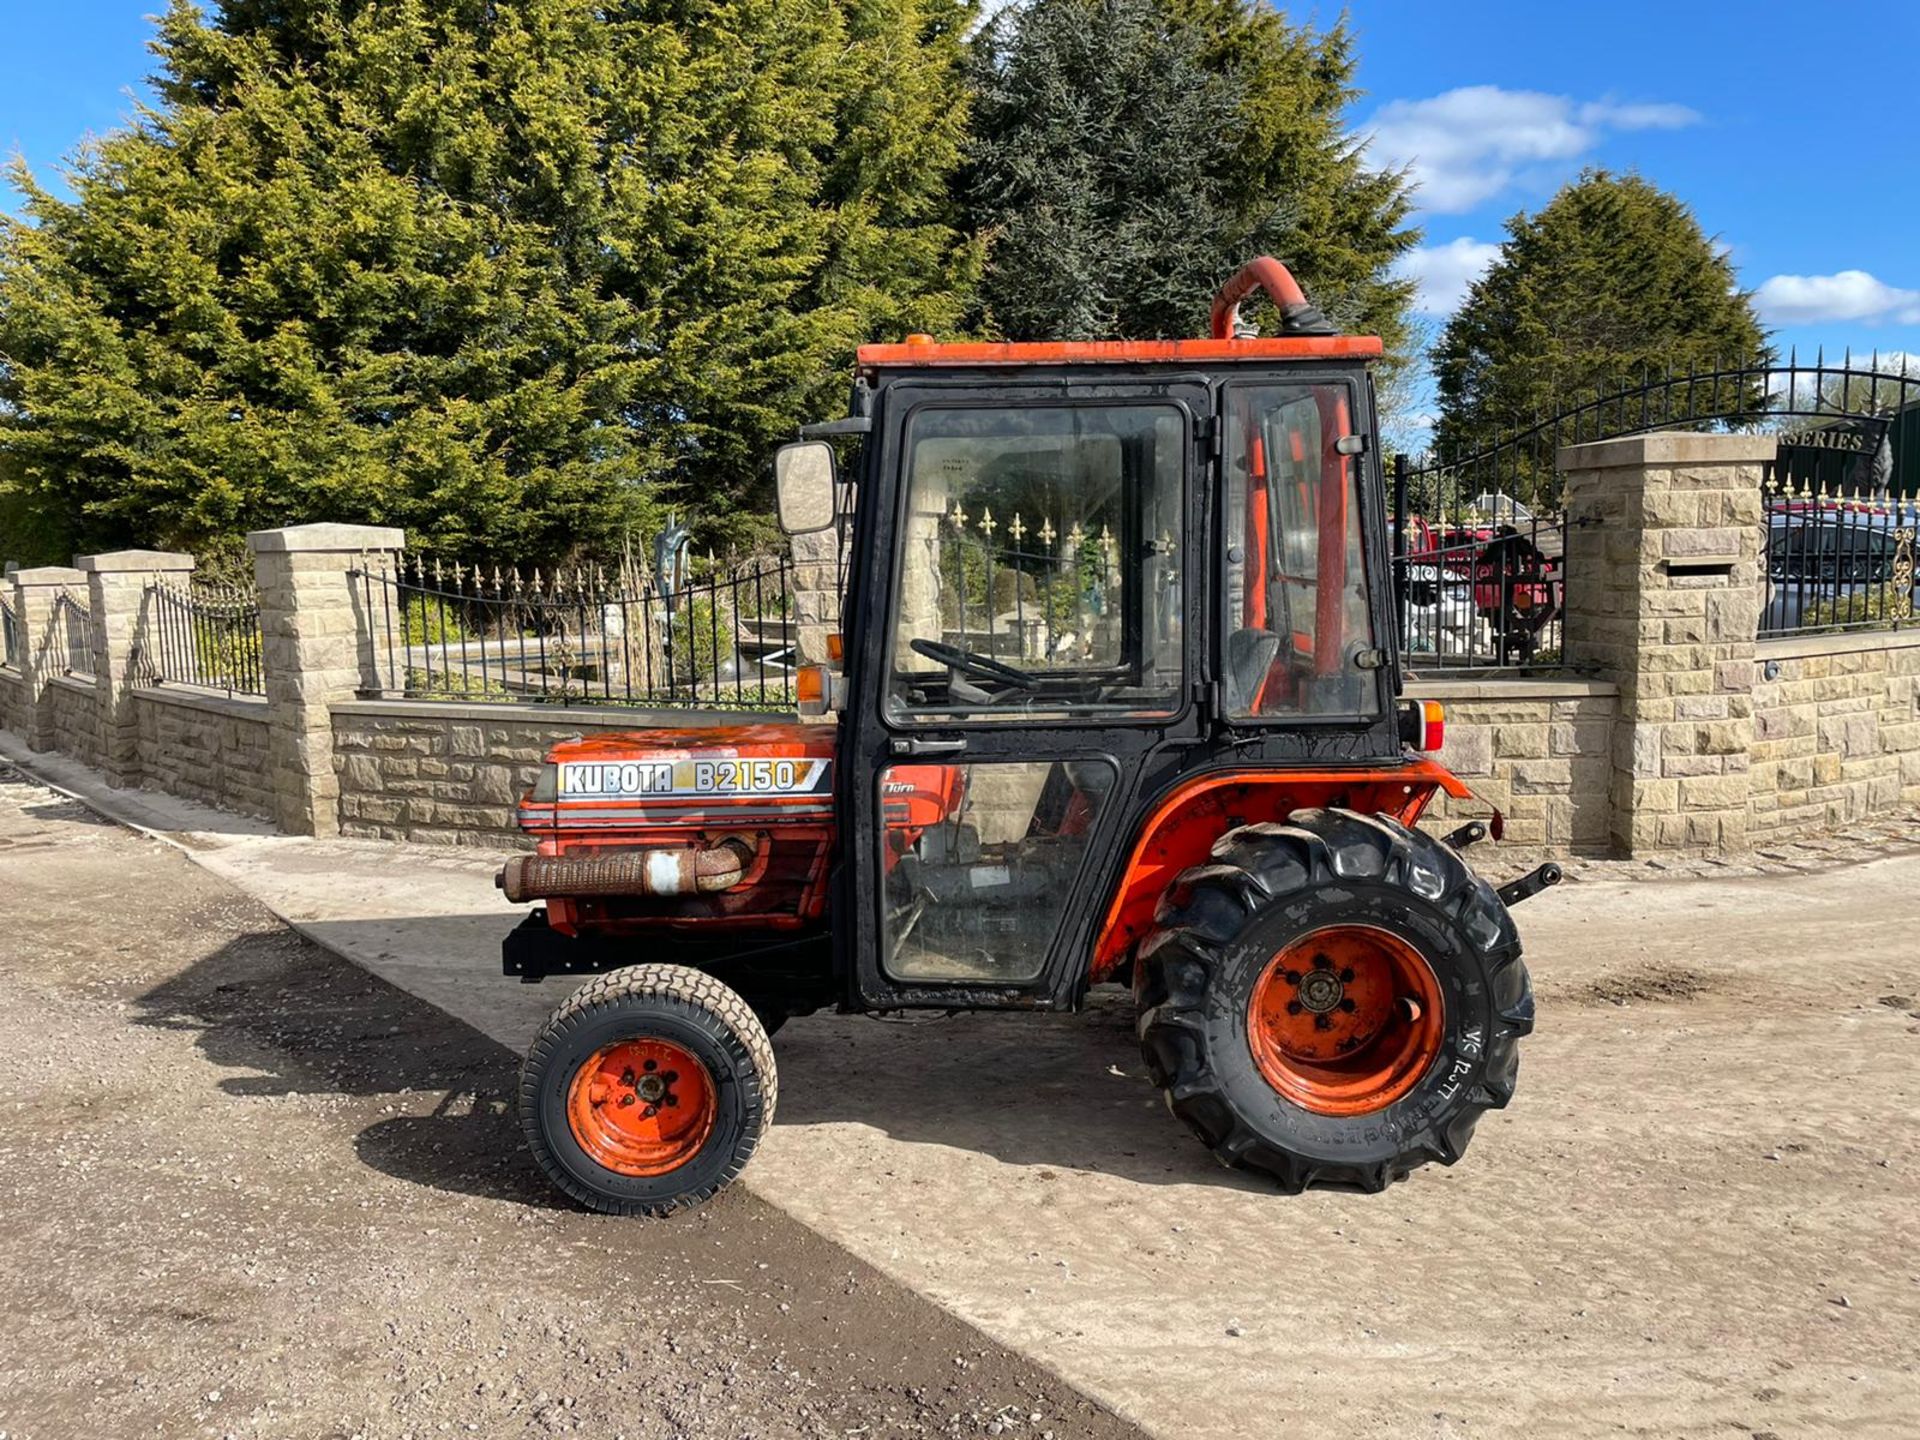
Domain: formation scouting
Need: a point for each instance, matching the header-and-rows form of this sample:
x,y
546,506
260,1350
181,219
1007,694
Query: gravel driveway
x,y
250,1190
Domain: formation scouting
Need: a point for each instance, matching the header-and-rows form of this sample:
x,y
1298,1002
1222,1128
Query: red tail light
x,y
1429,728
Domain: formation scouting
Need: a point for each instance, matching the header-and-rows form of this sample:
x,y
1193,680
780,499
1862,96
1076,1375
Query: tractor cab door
x,y
1300,641
1023,569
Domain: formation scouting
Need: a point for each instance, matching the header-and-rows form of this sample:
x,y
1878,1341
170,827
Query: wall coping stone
x,y
49,575
117,562
1571,687
239,707
1667,447
304,539
622,717
75,683
1845,642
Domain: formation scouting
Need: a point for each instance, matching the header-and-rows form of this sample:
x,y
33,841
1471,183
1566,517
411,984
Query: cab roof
x,y
924,351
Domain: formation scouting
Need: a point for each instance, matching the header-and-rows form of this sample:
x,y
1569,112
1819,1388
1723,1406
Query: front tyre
x,y
1333,1000
648,1090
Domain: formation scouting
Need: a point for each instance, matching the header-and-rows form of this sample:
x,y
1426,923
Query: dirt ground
x,y
250,1190
1700,1218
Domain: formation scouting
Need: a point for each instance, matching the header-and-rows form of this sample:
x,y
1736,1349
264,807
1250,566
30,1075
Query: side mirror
x,y
804,485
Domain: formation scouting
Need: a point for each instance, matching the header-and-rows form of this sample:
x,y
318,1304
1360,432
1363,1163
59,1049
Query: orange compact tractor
x,y
1117,700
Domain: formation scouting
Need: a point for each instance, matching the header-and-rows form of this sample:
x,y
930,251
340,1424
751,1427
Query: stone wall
x,y
210,748
75,710
1836,723
1539,751
1673,729
453,774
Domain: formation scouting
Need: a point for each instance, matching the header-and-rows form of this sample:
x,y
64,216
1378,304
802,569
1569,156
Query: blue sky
x,y
1782,125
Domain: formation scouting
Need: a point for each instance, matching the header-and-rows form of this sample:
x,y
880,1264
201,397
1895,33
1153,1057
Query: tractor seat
x,y
1250,655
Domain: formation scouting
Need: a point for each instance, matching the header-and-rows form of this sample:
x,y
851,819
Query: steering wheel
x,y
983,666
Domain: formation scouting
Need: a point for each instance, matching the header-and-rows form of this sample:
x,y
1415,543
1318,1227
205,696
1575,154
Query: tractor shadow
x,y
283,1017
1062,1092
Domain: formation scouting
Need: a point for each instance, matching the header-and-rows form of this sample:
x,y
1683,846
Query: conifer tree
x,y
506,272
1130,154
1610,282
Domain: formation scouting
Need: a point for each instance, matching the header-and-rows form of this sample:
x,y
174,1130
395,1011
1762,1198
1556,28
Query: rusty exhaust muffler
x,y
632,872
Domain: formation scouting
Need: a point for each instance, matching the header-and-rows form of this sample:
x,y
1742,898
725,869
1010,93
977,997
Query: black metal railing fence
x,y
1836,562
717,634
1479,539
70,638
1029,589
201,634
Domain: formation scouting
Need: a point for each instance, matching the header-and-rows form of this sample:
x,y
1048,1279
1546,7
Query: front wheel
x,y
648,1091
1333,1000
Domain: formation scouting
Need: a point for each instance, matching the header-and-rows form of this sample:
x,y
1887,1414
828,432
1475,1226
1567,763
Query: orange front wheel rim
x,y
642,1107
1346,1020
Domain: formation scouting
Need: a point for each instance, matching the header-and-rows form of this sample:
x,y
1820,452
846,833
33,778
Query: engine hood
x,y
771,739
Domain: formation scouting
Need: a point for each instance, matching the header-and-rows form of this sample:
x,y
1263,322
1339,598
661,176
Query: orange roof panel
x,y
1122,352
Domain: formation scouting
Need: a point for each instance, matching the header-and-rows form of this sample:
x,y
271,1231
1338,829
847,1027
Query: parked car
x,y
1837,550
1831,566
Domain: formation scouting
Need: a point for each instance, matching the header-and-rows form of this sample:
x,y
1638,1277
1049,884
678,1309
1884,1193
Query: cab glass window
x,y
1040,565
1299,629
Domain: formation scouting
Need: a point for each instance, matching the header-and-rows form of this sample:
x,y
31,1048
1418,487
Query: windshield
x,y
1040,571
1299,628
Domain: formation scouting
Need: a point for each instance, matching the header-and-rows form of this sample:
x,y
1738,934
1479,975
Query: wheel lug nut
x,y
626,1100
1346,976
1292,977
1321,1022
1293,1007
1346,1004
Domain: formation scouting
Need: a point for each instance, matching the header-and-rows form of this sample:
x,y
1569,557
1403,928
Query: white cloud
x,y
1468,145
1607,115
1847,295
1444,272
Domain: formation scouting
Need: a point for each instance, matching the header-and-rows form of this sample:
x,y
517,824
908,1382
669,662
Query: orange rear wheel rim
x,y
1346,1020
642,1107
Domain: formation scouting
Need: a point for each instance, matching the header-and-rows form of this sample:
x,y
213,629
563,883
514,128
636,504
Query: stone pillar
x,y
1664,573
317,649
816,592
118,585
41,659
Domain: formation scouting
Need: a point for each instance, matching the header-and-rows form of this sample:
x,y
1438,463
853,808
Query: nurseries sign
x,y
585,779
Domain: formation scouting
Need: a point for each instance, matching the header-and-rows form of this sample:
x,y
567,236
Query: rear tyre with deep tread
x,y
666,1006
1272,886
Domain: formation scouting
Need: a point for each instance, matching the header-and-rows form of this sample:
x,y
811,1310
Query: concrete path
x,y
1701,1215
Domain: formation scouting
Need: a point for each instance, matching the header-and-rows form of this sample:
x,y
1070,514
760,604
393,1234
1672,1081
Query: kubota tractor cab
x,y
1119,702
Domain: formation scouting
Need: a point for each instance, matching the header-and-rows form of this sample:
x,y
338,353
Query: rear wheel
x,y
1333,1000
648,1091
